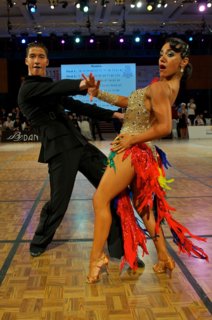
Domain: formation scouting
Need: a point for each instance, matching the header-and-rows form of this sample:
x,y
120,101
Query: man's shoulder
x,y
37,79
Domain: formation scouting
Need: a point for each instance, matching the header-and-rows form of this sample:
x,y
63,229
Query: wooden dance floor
x,y
53,287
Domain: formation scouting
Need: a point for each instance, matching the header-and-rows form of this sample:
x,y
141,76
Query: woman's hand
x,y
122,142
118,115
93,91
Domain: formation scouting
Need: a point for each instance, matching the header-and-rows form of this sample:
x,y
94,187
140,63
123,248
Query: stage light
x,y
53,4
82,5
104,3
77,39
139,4
91,40
190,39
201,7
11,3
31,6
137,39
209,4
164,3
160,3
77,5
132,4
121,40
150,6
85,8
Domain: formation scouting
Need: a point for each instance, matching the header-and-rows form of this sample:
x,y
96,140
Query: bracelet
x,y
107,97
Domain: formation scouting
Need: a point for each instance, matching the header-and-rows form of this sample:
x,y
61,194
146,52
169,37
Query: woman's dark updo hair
x,y
181,47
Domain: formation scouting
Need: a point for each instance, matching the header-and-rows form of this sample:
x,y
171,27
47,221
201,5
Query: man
x,y
63,147
65,150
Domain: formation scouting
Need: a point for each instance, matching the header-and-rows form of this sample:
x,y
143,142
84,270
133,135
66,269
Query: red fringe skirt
x,y
149,188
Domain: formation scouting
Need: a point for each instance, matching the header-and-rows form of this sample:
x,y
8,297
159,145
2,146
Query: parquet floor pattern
x,y
53,287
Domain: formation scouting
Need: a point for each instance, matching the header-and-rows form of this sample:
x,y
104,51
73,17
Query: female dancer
x,y
135,162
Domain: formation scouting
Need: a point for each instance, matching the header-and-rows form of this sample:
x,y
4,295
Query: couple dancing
x,y
135,171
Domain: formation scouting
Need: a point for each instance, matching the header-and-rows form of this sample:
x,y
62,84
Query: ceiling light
x,y
132,4
150,6
11,3
77,39
53,3
104,3
91,40
201,7
82,5
31,6
137,39
138,4
209,4
77,5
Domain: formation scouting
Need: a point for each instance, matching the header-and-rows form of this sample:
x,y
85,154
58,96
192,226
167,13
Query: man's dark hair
x,y
36,45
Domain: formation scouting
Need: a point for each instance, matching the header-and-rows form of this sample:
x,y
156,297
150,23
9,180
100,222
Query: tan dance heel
x,y
164,266
96,268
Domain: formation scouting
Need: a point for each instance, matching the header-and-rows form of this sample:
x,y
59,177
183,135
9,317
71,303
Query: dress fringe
x,y
149,185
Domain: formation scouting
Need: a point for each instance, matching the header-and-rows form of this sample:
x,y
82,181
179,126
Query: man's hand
x,y
91,84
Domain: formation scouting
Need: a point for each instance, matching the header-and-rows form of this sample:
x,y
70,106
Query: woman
x,y
135,162
183,121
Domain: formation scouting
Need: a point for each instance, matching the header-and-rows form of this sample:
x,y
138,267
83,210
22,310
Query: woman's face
x,y
170,62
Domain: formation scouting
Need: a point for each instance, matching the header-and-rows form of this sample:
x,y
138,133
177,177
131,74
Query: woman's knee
x,y
100,200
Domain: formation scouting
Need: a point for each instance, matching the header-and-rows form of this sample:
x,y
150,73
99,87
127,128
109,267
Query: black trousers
x,y
63,168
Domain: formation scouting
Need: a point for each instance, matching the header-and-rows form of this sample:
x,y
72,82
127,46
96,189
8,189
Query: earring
x,y
181,70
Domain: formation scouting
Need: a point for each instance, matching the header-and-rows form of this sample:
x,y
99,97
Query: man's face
x,y
37,62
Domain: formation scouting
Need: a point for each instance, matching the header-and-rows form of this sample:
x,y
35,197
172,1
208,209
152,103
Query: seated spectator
x,y
199,120
17,126
8,124
174,129
25,126
3,114
191,110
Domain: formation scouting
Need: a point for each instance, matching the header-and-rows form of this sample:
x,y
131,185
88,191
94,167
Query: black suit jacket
x,y
43,102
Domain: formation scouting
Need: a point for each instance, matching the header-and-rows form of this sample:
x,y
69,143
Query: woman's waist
x,y
134,129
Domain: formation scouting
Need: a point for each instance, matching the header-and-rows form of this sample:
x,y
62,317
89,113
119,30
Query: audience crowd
x,y
14,120
183,115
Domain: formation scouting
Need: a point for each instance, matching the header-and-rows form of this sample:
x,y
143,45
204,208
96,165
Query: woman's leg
x,y
165,261
112,183
148,218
